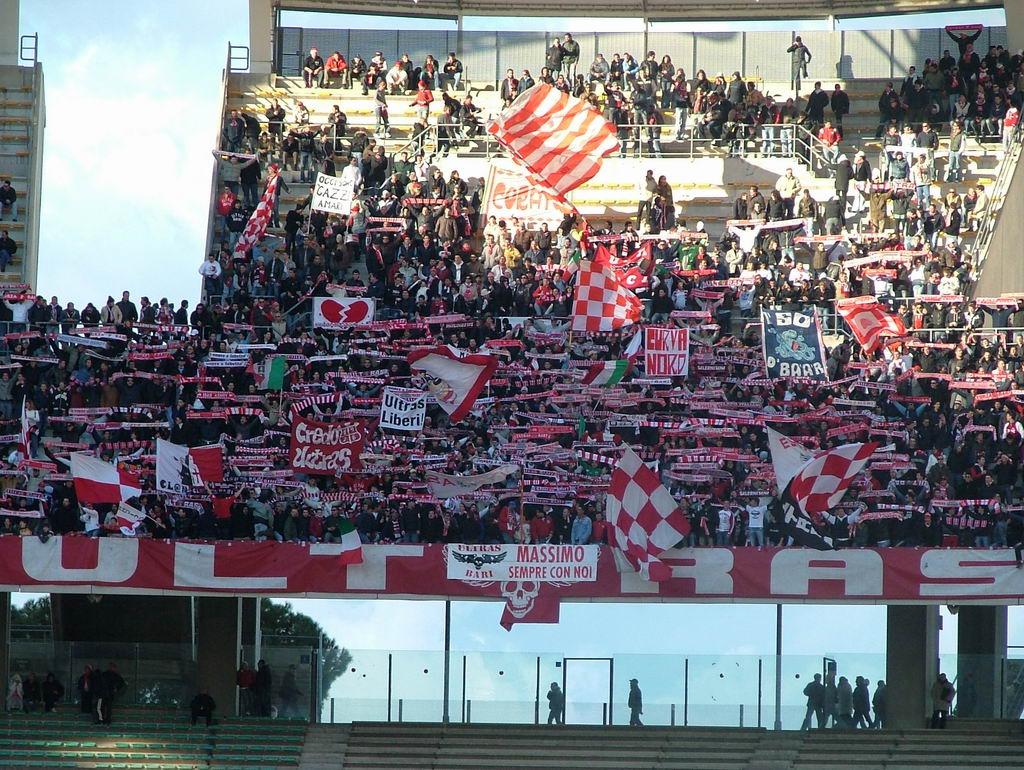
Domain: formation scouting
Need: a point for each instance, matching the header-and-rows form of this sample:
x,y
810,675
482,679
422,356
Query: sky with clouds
x,y
132,93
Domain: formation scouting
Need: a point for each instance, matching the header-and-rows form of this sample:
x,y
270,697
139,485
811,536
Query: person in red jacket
x,y
541,527
829,136
245,680
599,534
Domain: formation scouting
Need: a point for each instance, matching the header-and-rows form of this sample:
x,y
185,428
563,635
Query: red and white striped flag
x,y
602,304
256,227
558,138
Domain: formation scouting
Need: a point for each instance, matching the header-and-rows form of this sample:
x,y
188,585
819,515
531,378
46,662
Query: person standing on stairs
x,y
800,57
635,703
556,705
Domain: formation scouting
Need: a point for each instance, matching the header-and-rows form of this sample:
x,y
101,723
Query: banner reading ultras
x,y
542,563
130,565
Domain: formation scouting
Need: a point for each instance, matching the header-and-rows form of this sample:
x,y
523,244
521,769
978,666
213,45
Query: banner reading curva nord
x,y
541,563
666,351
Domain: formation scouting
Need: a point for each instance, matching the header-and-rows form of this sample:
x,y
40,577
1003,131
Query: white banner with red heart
x,y
341,313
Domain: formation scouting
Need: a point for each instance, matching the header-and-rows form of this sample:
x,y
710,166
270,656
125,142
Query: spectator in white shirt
x,y
755,524
726,524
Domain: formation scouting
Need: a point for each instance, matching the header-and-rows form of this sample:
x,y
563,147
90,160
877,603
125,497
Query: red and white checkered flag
x,y
645,519
602,303
256,227
820,484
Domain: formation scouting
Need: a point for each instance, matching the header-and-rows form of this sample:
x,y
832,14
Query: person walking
x,y
111,683
635,703
815,692
861,704
844,703
85,692
264,688
878,701
556,705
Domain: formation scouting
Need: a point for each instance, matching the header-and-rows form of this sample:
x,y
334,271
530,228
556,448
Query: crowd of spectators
x,y
116,375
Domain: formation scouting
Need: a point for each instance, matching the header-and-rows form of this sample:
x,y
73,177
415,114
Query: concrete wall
x,y
486,55
9,32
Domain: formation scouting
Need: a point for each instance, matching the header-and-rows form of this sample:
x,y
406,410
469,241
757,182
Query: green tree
x,y
32,613
290,627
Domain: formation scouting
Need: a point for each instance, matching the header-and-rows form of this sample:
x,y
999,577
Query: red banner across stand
x,y
709,575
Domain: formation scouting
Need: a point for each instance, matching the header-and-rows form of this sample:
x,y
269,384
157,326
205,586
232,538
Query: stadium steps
x,y
143,737
324,748
412,746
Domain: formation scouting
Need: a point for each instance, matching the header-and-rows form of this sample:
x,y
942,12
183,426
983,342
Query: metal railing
x,y
238,58
997,195
641,140
211,218
28,49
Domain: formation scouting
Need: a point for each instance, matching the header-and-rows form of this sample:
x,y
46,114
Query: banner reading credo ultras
x,y
708,575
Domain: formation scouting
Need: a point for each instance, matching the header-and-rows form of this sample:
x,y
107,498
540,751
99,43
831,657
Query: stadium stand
x,y
147,738
22,119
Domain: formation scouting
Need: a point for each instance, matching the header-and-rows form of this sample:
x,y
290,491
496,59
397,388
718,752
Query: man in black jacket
x,y
817,101
202,707
8,200
7,249
840,103
800,56
313,69
815,692
275,123
111,684
129,313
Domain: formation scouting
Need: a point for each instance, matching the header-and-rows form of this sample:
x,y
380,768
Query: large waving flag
x,y
455,380
558,138
644,517
870,323
256,227
602,303
100,482
179,469
813,484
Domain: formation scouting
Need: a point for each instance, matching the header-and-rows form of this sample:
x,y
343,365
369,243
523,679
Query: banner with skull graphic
x,y
792,345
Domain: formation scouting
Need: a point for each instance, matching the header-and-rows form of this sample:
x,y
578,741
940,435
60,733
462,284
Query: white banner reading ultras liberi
x,y
541,563
403,409
333,194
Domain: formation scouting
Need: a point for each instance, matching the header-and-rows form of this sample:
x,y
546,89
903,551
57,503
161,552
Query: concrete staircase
x,y
413,746
146,738
15,133
324,748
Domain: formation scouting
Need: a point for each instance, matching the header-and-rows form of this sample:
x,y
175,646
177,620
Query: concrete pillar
x,y
5,637
911,663
218,646
9,33
261,36
1014,24
981,654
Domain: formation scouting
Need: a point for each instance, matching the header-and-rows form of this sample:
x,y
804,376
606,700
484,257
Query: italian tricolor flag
x,y
351,545
607,372
273,373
